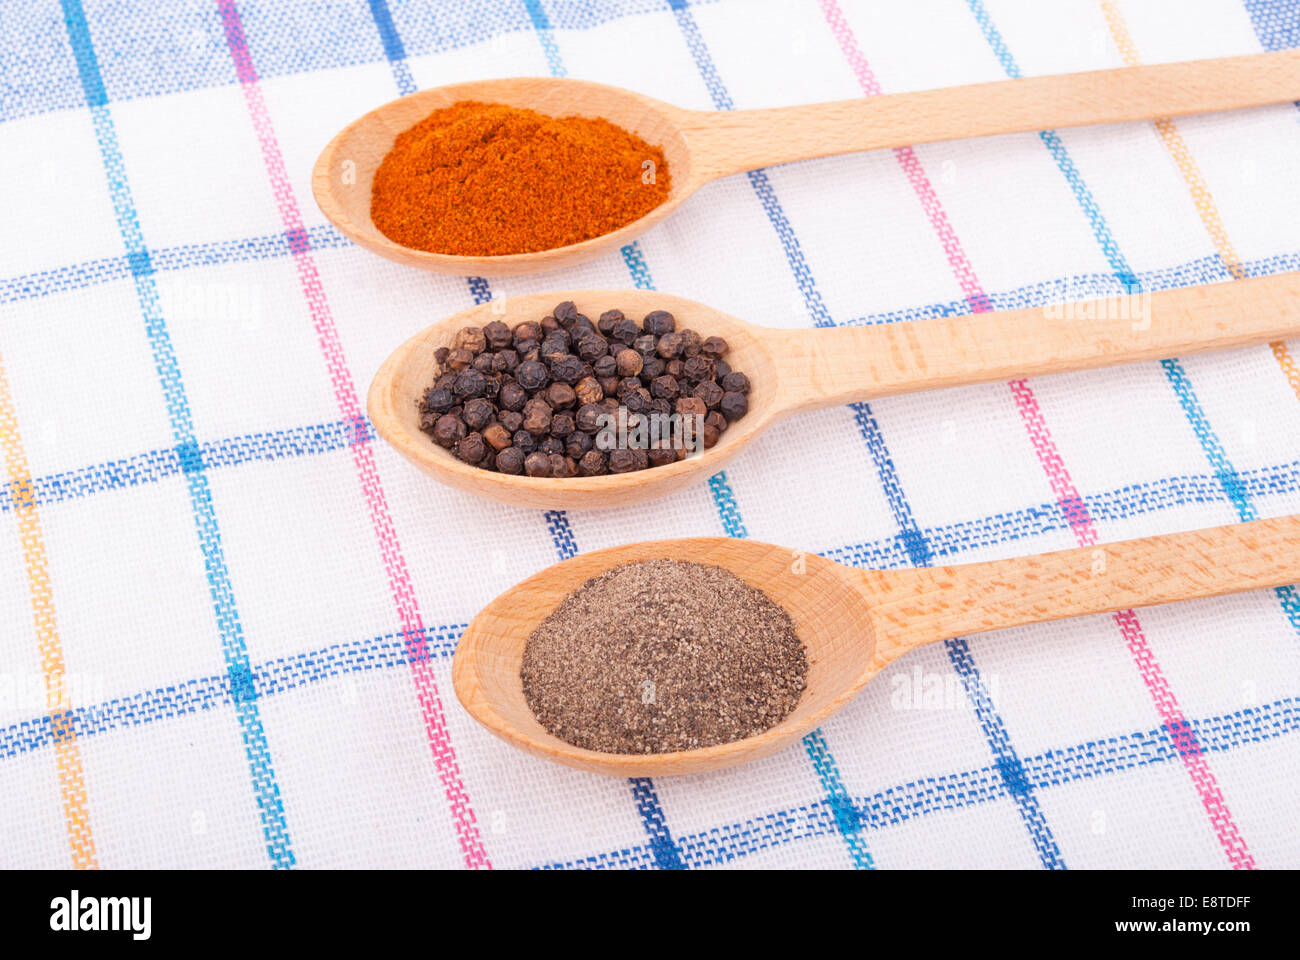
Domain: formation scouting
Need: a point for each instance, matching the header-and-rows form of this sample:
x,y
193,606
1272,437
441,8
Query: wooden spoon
x,y
854,623
703,145
794,370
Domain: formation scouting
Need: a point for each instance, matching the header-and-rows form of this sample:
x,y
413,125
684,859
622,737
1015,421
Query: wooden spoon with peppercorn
x,y
853,623
740,377
700,146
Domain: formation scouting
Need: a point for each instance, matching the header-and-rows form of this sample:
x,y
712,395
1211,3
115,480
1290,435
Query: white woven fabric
x,y
220,560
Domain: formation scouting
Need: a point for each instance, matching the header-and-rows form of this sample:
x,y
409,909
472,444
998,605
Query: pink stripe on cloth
x,y
345,394
938,217
1058,476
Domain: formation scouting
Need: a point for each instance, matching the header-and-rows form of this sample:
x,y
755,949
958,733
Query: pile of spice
x,y
663,655
564,397
483,179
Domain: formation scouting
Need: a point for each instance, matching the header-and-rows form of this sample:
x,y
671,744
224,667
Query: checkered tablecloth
x,y
228,609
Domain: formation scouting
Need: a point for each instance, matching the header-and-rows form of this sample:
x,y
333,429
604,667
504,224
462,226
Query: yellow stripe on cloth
x,y
1200,190
72,782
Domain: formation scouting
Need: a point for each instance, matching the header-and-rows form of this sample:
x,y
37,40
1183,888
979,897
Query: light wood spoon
x,y
794,370
703,145
854,623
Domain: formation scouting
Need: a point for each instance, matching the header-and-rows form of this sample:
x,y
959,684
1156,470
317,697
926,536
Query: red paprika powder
x,y
485,179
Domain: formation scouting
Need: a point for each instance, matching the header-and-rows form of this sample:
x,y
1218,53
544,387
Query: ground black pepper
x,y
663,655
554,392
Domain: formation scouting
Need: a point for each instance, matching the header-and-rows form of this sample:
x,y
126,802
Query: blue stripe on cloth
x,y
758,179
917,549
1211,446
44,283
235,651
394,51
542,27
1276,23
1105,756
278,676
1084,197
173,48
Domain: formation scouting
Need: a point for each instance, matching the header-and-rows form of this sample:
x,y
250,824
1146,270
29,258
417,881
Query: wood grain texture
x,y
854,622
796,370
703,145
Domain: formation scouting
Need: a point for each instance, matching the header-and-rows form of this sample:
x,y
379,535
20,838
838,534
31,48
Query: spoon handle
x,y
912,607
727,142
820,368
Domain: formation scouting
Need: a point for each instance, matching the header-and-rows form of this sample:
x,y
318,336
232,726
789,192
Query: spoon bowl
x,y
700,146
802,369
854,623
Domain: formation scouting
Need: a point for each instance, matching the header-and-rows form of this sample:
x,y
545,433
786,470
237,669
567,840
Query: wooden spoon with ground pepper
x,y
854,623
795,370
700,146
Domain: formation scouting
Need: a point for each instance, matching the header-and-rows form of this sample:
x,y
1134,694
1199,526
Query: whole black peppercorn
x,y
609,385
506,361
499,336
659,322
645,345
652,367
625,330
661,456
716,420
592,463
537,464
551,445
477,414
512,420
720,369
669,346
469,384
581,329
588,390
448,431
440,355
436,400
484,363
734,406
713,347
459,359
592,349
605,366
736,382
691,406
512,396
697,368
471,339
621,461
527,331
524,440
673,368
710,436
629,363
607,320
577,443
549,325
537,416
532,375
709,392
559,396
497,436
637,401
626,386
566,369
562,425
562,466
510,460
692,343
588,418
471,449
664,387
556,345
565,313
